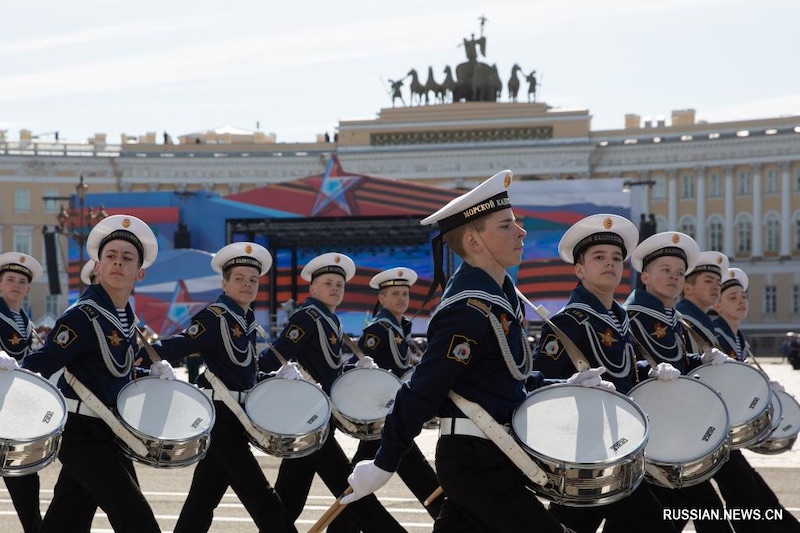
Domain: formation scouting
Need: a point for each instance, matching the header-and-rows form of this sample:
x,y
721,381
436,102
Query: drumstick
x,y
353,346
435,494
151,352
333,511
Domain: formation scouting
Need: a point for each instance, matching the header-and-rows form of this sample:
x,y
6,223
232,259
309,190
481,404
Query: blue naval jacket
x,y
313,338
585,320
700,323
464,354
387,341
12,341
658,332
225,336
732,344
88,339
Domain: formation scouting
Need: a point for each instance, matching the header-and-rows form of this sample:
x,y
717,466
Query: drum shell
x,y
24,456
587,483
683,398
282,443
729,380
784,436
373,388
167,452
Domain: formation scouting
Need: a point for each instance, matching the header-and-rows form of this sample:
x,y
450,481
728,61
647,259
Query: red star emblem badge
x,y
15,340
607,338
114,339
236,331
659,330
333,339
505,322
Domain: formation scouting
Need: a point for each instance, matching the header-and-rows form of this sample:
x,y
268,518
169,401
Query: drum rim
x,y
607,462
723,436
59,427
757,415
274,434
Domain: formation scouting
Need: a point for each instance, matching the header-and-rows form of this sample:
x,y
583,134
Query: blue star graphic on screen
x,y
334,189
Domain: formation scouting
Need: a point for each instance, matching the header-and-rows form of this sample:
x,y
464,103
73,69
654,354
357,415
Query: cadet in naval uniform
x,y
224,333
477,348
663,261
17,272
313,339
387,339
598,246
94,339
739,483
700,293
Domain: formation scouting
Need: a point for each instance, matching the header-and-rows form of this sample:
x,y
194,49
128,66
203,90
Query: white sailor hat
x,y
242,254
714,262
21,263
735,277
394,277
598,229
87,271
127,228
667,243
489,196
329,263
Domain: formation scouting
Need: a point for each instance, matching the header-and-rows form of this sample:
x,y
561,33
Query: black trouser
x,y
94,472
702,497
485,491
230,462
414,470
744,488
638,512
330,462
24,492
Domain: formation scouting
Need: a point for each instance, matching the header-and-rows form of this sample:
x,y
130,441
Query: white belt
x,y
80,408
239,396
462,426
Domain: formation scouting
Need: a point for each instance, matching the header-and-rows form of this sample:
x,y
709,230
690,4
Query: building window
x,y
797,233
715,185
795,299
659,190
22,240
51,305
715,234
22,201
743,184
687,186
773,233
771,185
770,300
50,203
687,226
744,234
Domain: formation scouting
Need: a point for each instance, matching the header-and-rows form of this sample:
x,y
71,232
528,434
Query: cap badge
x,y
248,249
399,273
337,259
607,223
22,259
507,181
731,274
676,238
719,260
126,223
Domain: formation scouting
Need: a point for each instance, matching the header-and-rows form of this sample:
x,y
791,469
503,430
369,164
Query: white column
x,y
727,245
700,189
644,175
672,199
758,229
786,210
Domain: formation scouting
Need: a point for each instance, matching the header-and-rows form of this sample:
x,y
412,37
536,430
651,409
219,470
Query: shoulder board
x,y
313,313
90,311
480,306
217,310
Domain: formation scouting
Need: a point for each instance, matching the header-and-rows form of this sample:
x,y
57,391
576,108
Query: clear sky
x,y
296,68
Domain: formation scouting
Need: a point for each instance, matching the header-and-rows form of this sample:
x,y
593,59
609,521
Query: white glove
x,y
714,356
776,387
7,362
664,372
588,378
162,369
365,479
289,371
366,362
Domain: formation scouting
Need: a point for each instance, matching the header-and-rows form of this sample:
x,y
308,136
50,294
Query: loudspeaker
x,y
51,257
183,237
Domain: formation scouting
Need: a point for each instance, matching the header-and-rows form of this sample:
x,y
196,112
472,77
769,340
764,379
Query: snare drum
x,y
689,430
172,418
589,441
747,395
782,439
33,413
292,414
362,397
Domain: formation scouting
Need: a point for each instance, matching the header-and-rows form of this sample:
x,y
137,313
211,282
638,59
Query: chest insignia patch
x,y
371,341
64,336
461,349
295,333
195,330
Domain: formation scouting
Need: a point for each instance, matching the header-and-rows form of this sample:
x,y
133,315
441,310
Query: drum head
x,y
365,394
167,410
577,424
30,406
688,420
744,389
287,407
790,424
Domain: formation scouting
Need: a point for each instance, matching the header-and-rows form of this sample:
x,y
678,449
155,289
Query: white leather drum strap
x,y
105,414
222,393
498,435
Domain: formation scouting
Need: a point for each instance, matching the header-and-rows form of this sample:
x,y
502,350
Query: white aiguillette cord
x,y
105,415
221,392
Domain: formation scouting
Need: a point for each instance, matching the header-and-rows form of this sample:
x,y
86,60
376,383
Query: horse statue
x,y
531,79
431,87
513,83
448,85
416,87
